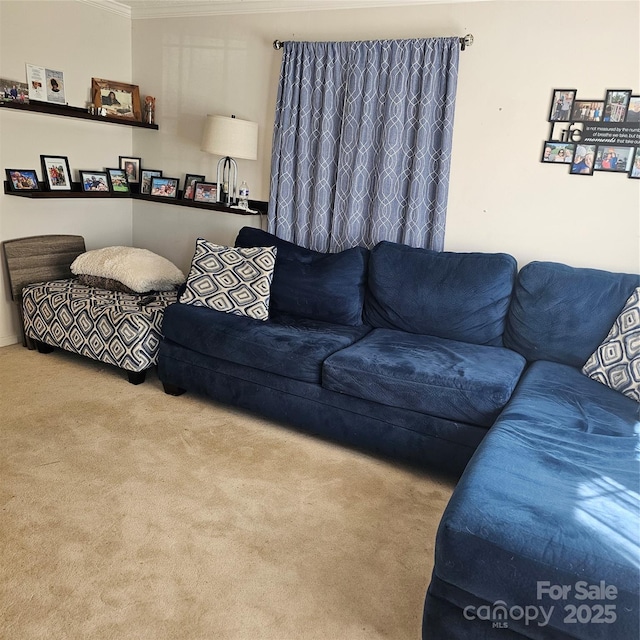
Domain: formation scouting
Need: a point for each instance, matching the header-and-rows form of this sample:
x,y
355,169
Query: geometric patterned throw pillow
x,y
616,362
231,280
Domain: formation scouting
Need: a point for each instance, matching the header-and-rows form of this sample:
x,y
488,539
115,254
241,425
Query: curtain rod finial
x,y
278,44
467,41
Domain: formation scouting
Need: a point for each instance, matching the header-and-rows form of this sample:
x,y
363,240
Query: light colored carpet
x,y
130,514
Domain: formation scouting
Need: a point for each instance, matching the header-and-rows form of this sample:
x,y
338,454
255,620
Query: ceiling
x,y
136,9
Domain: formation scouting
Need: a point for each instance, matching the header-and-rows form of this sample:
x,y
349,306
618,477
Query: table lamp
x,y
230,138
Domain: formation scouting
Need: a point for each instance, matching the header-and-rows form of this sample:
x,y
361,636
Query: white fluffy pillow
x,y
140,270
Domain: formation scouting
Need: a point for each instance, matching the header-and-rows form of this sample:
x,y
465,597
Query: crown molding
x,y
111,6
143,9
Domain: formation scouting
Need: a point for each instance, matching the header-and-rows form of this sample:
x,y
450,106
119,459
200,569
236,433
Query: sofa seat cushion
x,y
550,497
291,347
436,376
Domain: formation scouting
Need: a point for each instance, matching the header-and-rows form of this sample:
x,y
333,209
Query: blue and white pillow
x,y
616,362
231,280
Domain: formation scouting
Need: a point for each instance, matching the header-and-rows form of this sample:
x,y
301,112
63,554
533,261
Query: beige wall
x,y
84,42
501,197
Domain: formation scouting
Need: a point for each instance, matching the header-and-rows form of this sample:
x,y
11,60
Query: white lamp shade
x,y
225,136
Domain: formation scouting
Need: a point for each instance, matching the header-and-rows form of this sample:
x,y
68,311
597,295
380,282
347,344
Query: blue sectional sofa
x,y
455,361
395,350
541,538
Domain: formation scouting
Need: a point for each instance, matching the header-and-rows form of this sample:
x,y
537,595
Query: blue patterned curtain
x,y
362,143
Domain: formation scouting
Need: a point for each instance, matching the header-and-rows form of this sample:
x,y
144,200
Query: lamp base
x,y
227,174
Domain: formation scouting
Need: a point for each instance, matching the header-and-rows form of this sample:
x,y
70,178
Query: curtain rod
x,y
465,42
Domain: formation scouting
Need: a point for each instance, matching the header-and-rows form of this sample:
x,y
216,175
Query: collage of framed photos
x,y
128,177
56,176
590,135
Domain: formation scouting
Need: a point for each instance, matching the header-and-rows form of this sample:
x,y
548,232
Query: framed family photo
x,y
118,181
190,185
13,91
561,152
633,110
583,160
587,110
615,105
613,158
162,187
94,181
56,173
22,180
145,179
131,167
561,105
119,100
206,192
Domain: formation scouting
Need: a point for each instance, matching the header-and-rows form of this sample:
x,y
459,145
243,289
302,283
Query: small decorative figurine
x,y
149,109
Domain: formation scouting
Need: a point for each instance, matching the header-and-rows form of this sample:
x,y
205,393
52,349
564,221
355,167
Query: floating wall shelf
x,y
72,112
258,205
76,191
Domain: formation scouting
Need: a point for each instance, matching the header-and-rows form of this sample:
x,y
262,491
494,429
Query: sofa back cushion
x,y
563,313
328,287
460,296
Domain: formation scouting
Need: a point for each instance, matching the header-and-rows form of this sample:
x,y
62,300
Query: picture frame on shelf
x,y
14,91
119,100
118,181
23,180
56,173
94,181
45,85
131,167
162,187
190,181
145,179
206,192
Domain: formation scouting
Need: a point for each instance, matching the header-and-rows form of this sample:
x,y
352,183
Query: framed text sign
x,y
591,135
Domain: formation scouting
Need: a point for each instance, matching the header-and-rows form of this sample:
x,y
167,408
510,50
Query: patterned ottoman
x,y
108,326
